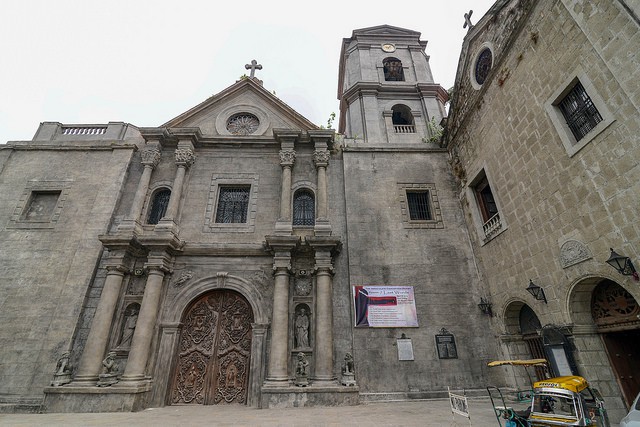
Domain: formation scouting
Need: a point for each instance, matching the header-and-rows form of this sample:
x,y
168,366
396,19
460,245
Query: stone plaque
x,y
573,252
405,349
446,345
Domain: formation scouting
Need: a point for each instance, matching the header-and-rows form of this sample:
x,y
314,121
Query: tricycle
x,y
559,401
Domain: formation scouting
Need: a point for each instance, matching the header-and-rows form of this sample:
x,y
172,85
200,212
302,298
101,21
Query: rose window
x,y
242,124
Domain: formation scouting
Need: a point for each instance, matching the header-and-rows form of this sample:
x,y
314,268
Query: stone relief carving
x,y
62,375
150,156
303,286
348,372
573,252
185,156
287,157
109,375
184,278
129,325
260,279
302,366
302,329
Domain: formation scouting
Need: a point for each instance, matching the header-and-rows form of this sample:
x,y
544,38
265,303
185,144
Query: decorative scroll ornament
x,y
287,157
185,157
321,158
150,156
573,252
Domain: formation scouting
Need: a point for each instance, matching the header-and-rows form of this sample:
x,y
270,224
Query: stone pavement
x,y
429,413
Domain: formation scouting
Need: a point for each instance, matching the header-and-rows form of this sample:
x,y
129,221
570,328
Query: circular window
x,y
242,124
483,65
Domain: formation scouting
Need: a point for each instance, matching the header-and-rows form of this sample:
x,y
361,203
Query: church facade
x,y
240,254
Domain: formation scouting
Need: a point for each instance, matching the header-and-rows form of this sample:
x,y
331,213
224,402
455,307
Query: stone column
x,y
150,159
156,266
323,248
185,157
321,155
277,369
96,345
287,138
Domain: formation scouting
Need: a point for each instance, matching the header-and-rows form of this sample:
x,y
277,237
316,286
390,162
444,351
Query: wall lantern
x,y
623,264
485,306
536,291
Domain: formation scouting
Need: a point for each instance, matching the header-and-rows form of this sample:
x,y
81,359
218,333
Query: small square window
x,y
418,203
41,206
233,204
579,111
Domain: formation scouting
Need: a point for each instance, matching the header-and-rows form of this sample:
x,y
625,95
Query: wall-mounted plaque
x,y
405,349
446,345
384,307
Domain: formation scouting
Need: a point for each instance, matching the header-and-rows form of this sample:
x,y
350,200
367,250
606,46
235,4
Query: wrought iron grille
x,y
418,202
159,206
233,204
579,112
483,65
304,208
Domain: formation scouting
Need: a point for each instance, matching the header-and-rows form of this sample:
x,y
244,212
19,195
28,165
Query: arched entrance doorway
x,y
530,328
615,313
214,349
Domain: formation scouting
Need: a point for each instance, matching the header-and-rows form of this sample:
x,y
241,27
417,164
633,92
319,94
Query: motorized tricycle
x,y
560,401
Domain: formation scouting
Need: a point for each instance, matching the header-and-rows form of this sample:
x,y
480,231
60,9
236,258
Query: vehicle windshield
x,y
559,405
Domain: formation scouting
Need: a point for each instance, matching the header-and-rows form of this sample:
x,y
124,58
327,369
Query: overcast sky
x,y
144,62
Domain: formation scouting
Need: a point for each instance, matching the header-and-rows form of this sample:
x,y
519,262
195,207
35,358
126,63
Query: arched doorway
x,y
530,328
212,361
615,313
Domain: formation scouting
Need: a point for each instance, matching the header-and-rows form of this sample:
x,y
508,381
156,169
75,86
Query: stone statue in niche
x,y
109,375
62,375
129,326
302,375
302,329
348,372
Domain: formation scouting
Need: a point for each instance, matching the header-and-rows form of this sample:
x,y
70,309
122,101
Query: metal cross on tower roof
x,y
467,20
253,67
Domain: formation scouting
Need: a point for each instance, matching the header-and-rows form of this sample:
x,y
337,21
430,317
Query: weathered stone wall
x,y
437,262
546,196
46,266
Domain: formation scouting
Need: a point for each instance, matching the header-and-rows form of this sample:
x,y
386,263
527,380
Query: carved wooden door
x,y
214,351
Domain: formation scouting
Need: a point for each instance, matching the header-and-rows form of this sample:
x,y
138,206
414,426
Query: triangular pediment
x,y
385,30
248,98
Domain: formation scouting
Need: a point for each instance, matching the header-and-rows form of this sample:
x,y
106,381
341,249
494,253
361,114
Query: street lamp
x,y
623,264
485,307
536,291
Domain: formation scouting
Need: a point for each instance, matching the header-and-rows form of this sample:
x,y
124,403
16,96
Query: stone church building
x,y
240,254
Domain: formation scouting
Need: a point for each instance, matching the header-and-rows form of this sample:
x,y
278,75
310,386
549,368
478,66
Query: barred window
x,y
233,203
579,111
159,204
304,208
418,202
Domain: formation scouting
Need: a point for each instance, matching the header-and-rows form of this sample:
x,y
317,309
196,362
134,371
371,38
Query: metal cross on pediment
x,y
467,20
253,67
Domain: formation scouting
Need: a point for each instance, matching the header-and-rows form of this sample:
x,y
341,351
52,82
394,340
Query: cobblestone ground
x,y
431,413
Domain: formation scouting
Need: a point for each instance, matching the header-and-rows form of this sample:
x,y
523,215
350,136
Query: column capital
x,y
159,262
287,158
321,158
150,156
185,156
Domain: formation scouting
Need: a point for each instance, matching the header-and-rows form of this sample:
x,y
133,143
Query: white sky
x,y
146,61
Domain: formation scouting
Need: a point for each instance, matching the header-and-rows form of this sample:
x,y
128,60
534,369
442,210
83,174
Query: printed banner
x,y
384,306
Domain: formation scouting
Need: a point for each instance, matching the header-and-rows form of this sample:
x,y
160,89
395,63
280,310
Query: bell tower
x,y
385,87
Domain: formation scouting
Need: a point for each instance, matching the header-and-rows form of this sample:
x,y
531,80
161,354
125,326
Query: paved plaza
x,y
431,413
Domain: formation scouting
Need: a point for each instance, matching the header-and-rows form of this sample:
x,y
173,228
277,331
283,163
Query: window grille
x,y
233,203
418,202
579,112
393,71
304,208
159,206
